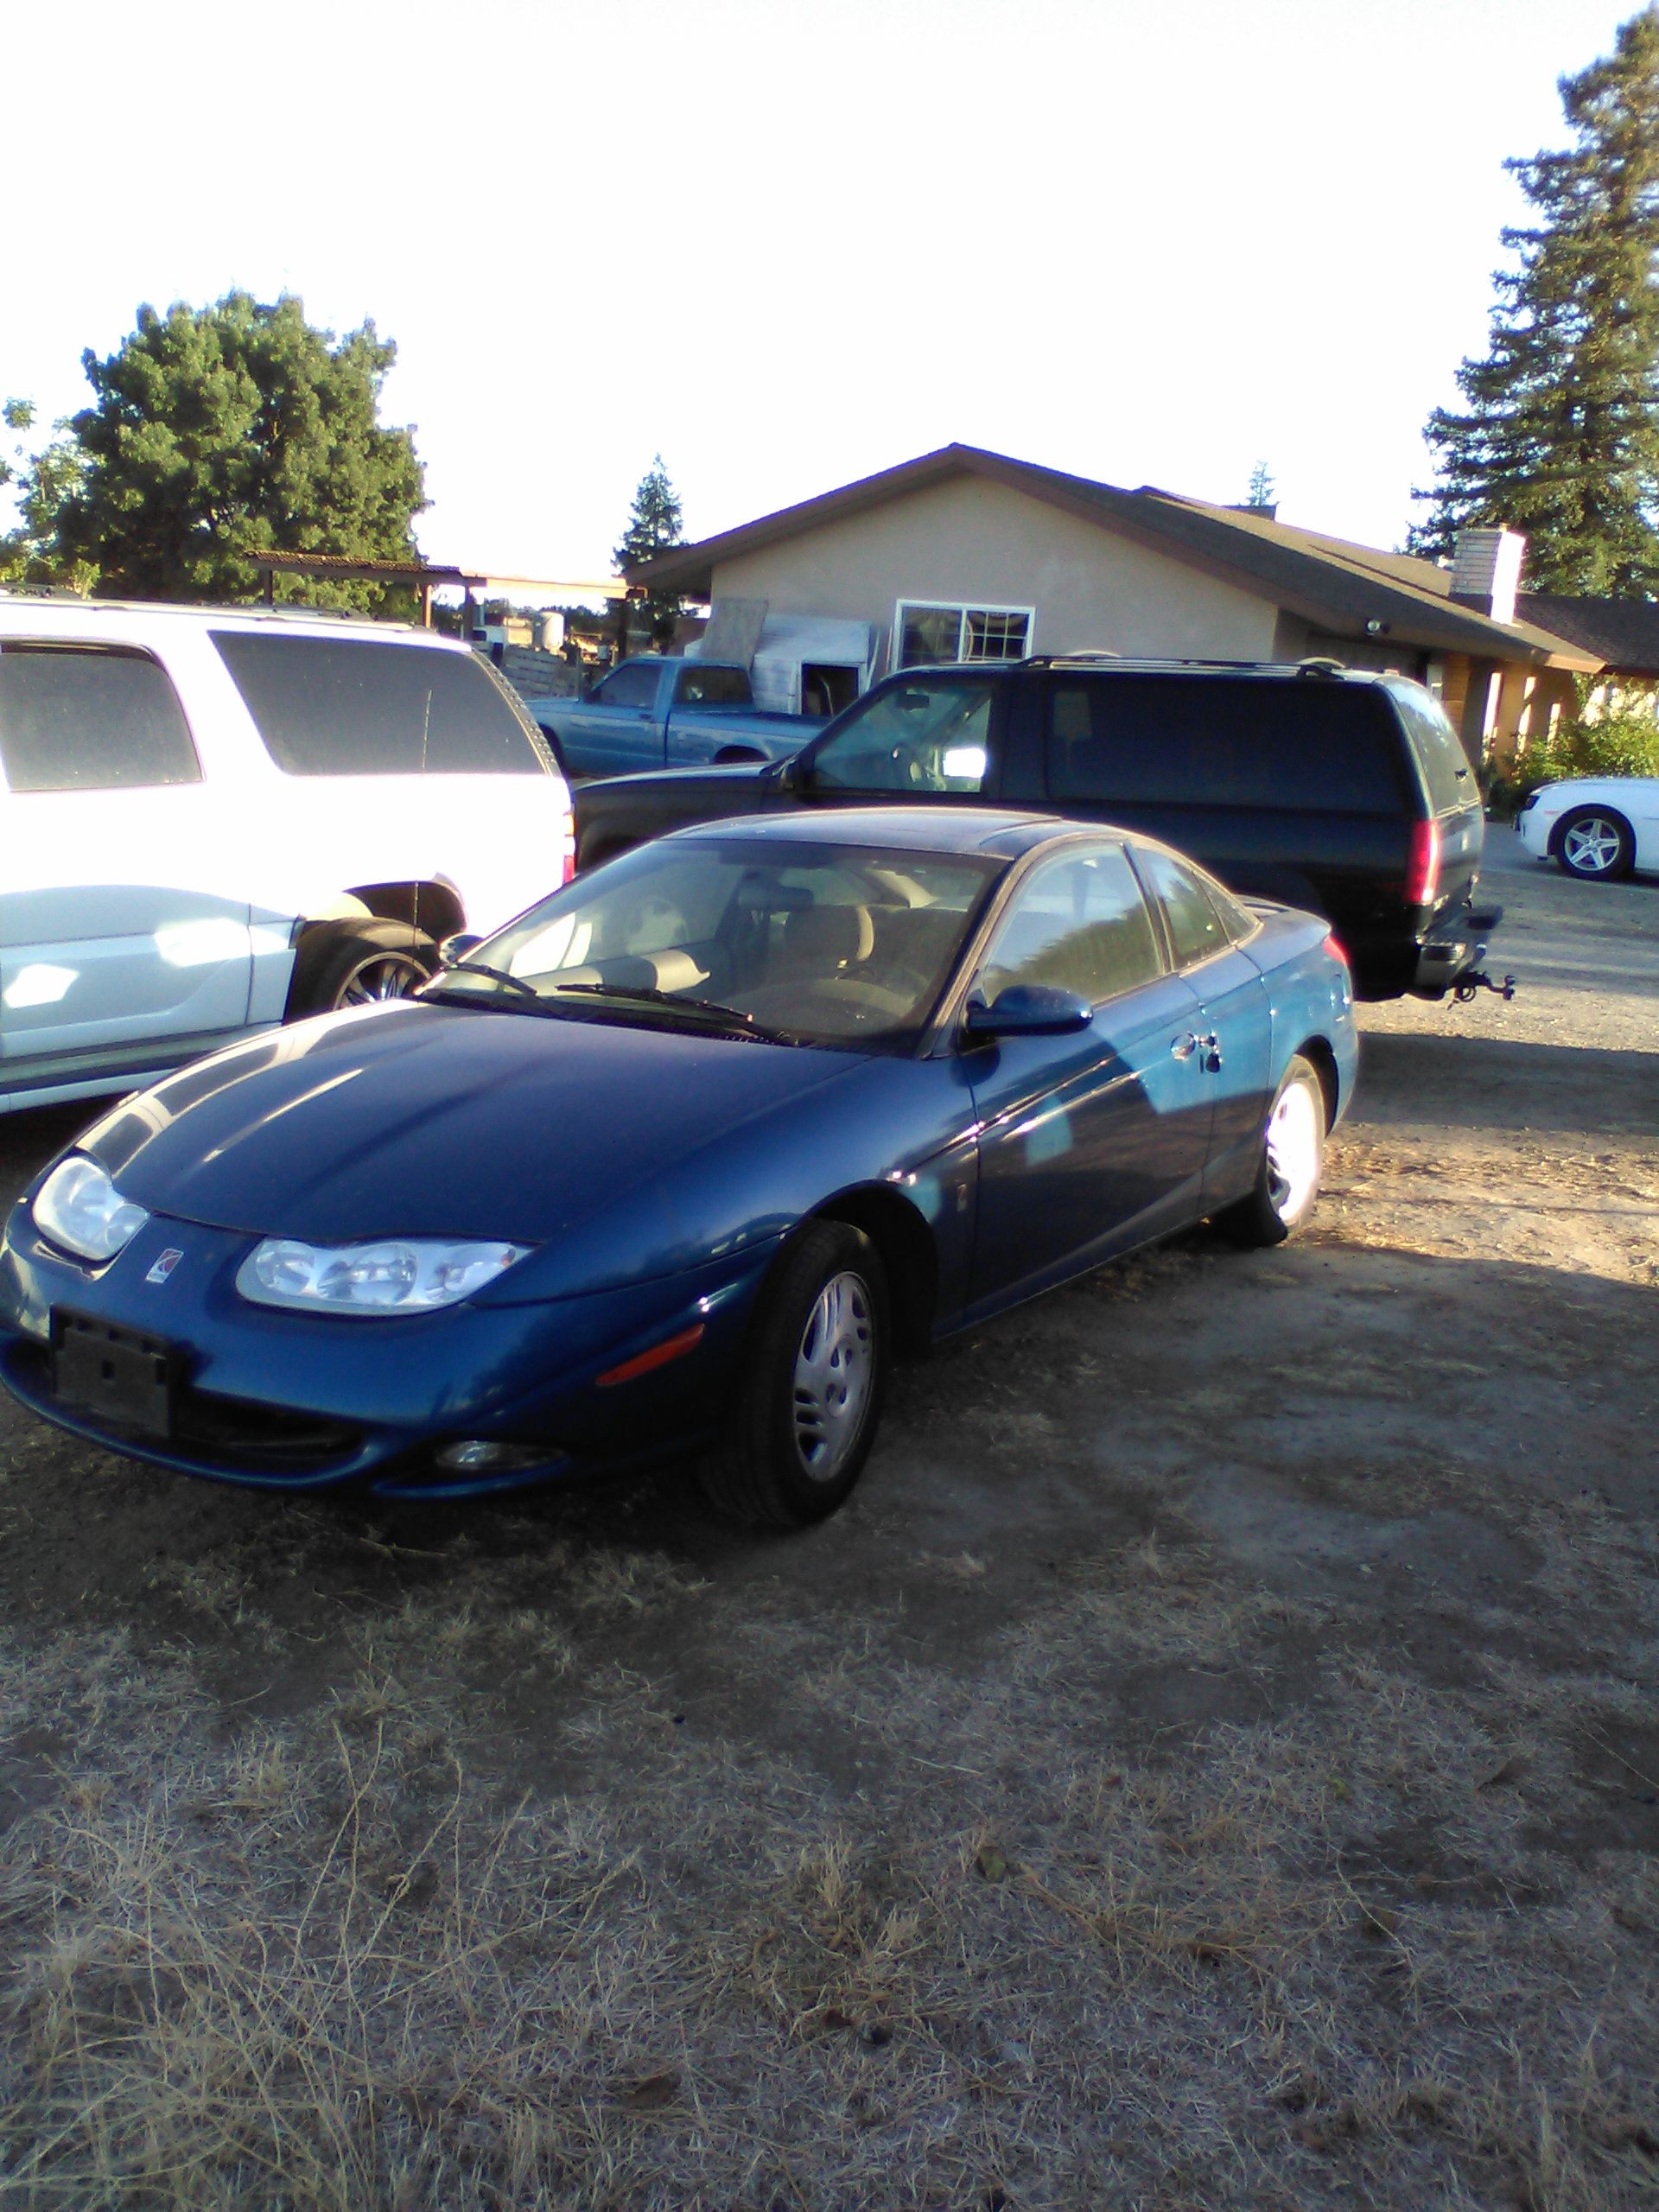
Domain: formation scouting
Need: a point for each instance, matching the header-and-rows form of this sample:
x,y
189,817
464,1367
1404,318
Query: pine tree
x,y
220,432
654,526
1262,488
1559,437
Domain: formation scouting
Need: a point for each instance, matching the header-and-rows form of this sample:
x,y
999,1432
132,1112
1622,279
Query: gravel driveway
x,y
1215,1761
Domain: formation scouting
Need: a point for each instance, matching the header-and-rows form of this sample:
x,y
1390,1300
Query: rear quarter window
x,y
1298,746
90,718
1439,752
357,707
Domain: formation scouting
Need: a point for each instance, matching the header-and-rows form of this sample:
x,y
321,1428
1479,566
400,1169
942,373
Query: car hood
x,y
419,1119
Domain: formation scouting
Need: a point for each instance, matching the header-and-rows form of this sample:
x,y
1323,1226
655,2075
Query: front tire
x,y
1595,844
357,963
810,1399
1293,1159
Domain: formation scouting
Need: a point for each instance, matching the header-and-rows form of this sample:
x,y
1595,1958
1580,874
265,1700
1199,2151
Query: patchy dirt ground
x,y
1215,1762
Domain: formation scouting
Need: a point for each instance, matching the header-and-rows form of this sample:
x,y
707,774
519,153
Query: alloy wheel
x,y
1591,845
381,975
835,1368
1292,1152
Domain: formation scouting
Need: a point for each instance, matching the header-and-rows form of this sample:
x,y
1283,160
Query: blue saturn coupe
x,y
676,1163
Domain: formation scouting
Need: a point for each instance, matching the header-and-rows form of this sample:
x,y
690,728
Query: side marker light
x,y
658,1356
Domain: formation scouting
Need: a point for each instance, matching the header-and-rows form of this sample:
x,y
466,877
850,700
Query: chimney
x,y
1486,570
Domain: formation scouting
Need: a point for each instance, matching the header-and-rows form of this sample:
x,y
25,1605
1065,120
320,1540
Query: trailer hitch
x,y
1466,986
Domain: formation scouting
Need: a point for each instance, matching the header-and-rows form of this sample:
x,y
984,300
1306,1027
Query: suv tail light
x,y
570,843
1423,867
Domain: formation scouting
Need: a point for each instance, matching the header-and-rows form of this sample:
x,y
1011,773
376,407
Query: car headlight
x,y
401,1274
78,1208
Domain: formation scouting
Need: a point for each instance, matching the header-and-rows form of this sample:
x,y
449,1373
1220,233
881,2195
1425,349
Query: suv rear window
x,y
354,707
90,718
1313,747
1450,778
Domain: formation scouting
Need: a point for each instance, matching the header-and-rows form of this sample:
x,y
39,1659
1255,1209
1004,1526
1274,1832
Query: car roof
x,y
27,613
911,827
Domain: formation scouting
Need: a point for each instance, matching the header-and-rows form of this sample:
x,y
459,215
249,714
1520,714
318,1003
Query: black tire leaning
x,y
351,963
756,1473
1270,1214
1624,840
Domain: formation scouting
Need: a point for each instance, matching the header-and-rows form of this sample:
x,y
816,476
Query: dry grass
x,y
1046,1959
1202,1773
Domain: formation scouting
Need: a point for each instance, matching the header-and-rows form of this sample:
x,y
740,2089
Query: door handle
x,y
1209,1047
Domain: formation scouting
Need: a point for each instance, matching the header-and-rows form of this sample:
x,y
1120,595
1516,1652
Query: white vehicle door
x,y
108,943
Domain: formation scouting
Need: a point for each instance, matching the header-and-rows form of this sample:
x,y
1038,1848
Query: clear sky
x,y
786,245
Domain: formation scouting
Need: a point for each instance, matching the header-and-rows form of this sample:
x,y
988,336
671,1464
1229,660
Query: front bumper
x,y
1535,828
300,1401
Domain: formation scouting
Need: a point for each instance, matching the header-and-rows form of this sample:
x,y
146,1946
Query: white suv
x,y
215,820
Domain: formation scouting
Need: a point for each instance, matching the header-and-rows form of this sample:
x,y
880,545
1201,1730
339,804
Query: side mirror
x,y
786,775
1029,1010
455,949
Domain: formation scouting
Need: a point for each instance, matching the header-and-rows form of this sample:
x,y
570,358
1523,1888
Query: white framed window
x,y
927,630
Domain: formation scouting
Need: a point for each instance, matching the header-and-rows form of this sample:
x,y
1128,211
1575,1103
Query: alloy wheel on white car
x,y
383,975
1594,845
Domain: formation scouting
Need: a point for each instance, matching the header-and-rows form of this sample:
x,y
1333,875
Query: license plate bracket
x,y
119,1375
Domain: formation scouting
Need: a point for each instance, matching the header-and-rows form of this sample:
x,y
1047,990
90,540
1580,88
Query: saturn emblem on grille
x,y
164,1264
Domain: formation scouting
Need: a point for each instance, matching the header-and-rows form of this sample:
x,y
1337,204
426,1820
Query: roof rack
x,y
1139,660
60,595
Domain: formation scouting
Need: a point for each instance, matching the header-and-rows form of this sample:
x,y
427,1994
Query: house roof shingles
x,y
1623,633
1324,579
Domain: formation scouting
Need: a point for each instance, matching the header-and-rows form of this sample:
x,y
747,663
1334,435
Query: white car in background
x,y
213,821
1597,827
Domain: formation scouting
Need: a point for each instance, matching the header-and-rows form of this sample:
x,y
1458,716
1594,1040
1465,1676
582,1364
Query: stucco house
x,y
966,554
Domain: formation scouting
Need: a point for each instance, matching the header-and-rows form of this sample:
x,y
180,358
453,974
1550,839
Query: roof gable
x,y
1324,579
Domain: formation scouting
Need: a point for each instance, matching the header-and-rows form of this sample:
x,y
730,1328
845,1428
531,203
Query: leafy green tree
x,y
1559,436
220,432
44,480
654,526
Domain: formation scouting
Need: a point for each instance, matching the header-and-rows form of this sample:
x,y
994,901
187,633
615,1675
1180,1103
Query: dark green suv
x,y
1313,784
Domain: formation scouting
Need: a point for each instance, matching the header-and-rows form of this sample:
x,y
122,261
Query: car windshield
x,y
819,944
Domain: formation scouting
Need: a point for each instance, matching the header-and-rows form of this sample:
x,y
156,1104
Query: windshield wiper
x,y
496,975
740,1024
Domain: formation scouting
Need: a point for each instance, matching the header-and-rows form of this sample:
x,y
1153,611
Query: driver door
x,y
1095,1141
937,737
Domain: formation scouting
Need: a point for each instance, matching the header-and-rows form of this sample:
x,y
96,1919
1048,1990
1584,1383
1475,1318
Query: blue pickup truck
x,y
657,712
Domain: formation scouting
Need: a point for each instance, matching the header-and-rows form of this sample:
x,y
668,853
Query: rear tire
x,y
810,1401
357,963
1293,1159
1595,843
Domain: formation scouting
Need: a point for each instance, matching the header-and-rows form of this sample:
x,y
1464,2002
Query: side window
x,y
635,685
1296,745
365,707
90,718
1079,923
911,737
1197,928
712,687
1446,764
